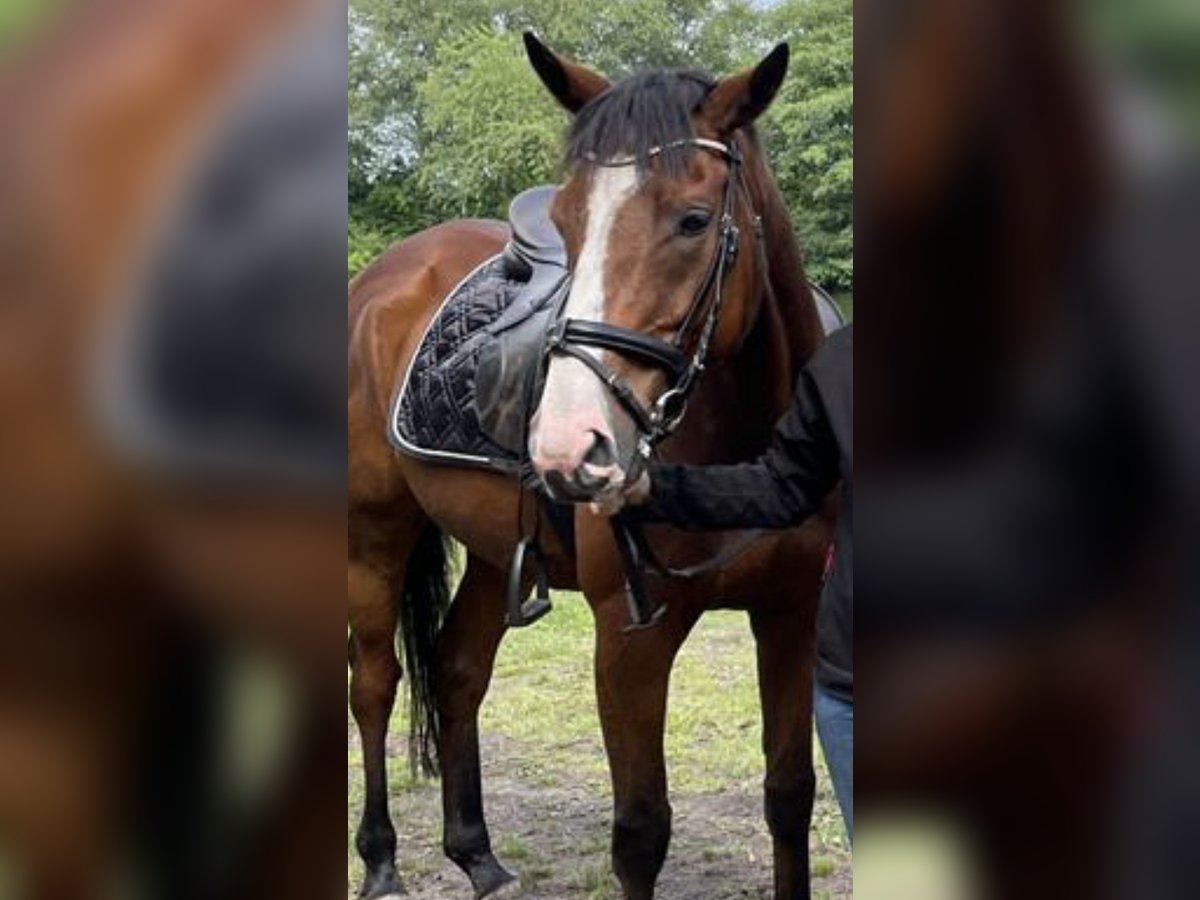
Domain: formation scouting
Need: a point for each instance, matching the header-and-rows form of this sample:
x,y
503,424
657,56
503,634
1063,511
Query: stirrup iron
x,y
522,614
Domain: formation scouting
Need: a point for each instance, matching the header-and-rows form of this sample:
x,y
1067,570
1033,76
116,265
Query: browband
x,y
703,143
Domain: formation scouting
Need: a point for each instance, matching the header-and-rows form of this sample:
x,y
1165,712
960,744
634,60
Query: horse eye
x,y
695,223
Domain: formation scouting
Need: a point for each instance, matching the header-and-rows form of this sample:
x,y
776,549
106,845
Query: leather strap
x,y
642,613
627,342
624,394
719,560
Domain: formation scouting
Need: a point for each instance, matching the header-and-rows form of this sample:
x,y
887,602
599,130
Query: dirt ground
x,y
546,786
557,841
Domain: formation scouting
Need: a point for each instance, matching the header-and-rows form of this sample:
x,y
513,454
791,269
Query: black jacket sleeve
x,y
781,488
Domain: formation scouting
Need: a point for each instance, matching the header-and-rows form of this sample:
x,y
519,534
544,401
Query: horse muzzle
x,y
581,476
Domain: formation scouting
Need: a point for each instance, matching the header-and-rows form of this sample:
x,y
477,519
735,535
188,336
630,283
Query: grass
x,y
541,711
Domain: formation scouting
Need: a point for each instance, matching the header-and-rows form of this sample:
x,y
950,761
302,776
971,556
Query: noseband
x,y
569,337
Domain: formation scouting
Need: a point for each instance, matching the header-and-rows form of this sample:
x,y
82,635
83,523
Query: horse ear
x,y
737,101
573,85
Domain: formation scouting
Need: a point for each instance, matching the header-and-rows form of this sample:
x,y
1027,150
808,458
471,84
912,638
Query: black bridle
x,y
570,337
683,359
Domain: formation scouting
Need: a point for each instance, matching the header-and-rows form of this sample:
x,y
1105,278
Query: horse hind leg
x,y
466,655
375,672
373,580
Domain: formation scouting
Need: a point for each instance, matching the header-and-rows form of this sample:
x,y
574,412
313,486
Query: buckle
x,y
733,239
669,410
556,334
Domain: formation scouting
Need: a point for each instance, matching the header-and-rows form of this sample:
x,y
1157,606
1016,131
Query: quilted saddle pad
x,y
434,417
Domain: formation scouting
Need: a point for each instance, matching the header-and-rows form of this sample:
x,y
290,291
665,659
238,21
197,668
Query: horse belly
x,y
479,510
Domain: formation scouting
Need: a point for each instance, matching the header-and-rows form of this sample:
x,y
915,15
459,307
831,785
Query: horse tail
x,y
423,606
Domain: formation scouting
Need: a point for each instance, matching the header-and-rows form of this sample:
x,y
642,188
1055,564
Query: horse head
x,y
653,212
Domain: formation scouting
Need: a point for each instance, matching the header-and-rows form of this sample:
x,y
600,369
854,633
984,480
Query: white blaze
x,y
574,402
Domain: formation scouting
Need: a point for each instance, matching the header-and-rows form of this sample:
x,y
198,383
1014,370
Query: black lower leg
x,y
465,839
466,650
376,844
789,815
376,837
641,836
789,810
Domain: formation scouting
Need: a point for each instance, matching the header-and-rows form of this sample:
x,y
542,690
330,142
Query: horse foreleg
x,y
784,640
375,672
632,674
466,654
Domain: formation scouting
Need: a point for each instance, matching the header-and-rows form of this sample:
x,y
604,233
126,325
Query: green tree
x,y
491,128
809,132
447,119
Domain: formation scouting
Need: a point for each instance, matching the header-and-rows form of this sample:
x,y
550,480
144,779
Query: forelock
x,y
638,114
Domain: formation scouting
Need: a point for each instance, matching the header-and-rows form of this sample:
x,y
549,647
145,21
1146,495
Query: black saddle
x,y
828,311
535,240
466,396
510,367
221,365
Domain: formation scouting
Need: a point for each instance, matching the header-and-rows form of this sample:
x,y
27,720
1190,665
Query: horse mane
x,y
786,283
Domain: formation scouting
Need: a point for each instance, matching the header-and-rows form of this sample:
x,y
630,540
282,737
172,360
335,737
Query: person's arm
x,y
781,488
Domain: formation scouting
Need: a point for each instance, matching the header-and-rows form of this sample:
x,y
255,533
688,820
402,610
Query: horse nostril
x,y
602,452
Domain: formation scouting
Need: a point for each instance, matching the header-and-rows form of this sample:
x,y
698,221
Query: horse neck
x,y
754,388
786,295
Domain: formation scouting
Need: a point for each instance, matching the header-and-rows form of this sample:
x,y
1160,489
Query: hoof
x,y
383,885
493,881
507,891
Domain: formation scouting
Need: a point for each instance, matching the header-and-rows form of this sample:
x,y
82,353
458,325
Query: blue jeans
x,y
835,727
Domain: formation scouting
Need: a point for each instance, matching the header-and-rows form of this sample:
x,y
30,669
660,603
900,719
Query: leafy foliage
x,y
810,138
448,120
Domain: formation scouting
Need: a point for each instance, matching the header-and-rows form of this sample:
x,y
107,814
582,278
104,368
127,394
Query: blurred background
x,y
1026,292
172,462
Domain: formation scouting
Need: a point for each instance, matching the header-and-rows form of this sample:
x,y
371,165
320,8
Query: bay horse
x,y
638,214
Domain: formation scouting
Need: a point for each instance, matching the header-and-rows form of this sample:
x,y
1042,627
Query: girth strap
x,y
638,557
